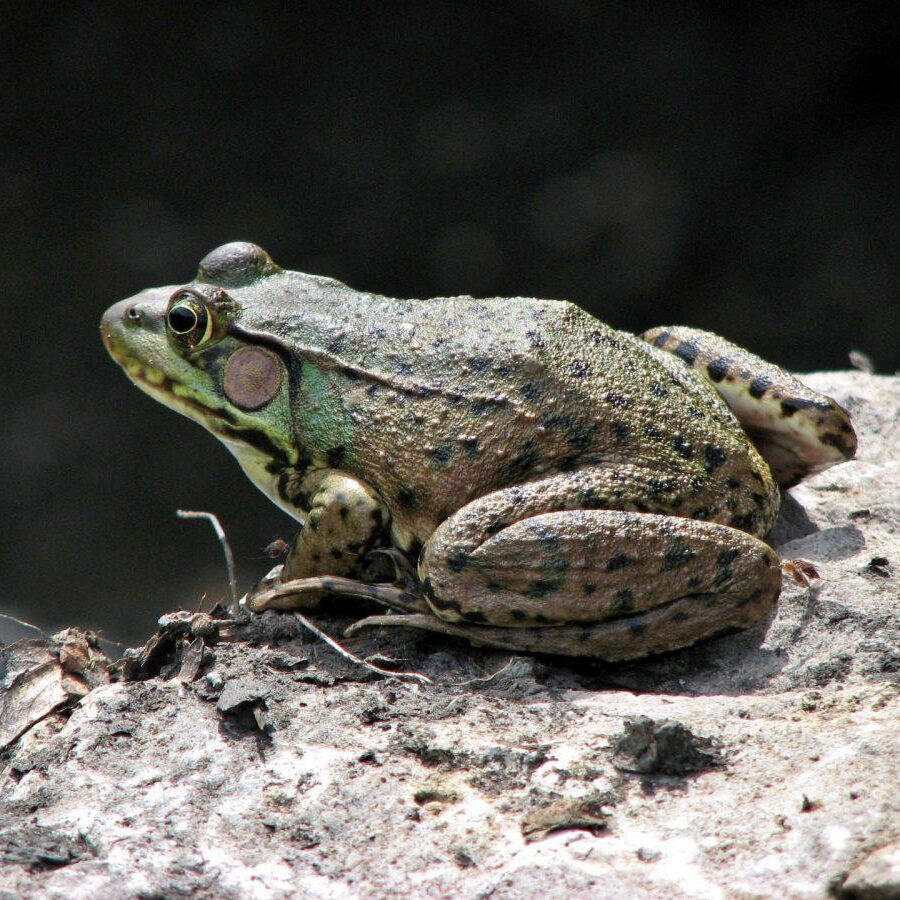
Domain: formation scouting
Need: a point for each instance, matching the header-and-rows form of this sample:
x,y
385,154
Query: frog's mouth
x,y
151,378
251,445
173,394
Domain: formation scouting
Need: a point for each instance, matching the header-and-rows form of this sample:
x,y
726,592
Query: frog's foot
x,y
677,624
301,593
797,431
801,570
404,567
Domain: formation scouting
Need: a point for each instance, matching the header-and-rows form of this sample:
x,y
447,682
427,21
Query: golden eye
x,y
188,320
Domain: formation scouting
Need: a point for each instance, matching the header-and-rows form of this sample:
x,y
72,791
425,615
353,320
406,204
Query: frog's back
x,y
452,398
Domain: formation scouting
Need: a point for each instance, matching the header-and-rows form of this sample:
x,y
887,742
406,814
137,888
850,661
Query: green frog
x,y
542,481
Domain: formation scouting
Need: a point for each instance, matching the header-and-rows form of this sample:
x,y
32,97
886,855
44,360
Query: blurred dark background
x,y
656,163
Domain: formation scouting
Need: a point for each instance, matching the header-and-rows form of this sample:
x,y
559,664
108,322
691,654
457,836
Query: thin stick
x,y
487,678
220,534
22,622
414,676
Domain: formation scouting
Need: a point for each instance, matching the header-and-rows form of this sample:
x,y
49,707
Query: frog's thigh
x,y
345,520
661,582
796,430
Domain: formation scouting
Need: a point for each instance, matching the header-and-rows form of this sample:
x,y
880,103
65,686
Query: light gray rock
x,y
877,877
280,769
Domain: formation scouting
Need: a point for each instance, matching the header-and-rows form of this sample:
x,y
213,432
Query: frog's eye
x,y
188,319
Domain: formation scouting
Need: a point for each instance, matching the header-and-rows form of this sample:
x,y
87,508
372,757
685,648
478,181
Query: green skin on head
x,y
558,485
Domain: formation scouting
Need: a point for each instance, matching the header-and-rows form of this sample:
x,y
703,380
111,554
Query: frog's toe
x,y
305,593
671,627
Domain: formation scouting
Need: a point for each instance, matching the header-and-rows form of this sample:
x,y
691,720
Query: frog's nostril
x,y
133,314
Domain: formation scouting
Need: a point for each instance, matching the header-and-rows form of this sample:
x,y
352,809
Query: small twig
x,y
487,678
343,651
23,622
223,540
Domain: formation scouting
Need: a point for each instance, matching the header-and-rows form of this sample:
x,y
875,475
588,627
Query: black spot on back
x,y
759,386
715,457
442,454
743,521
580,370
717,369
623,601
677,556
682,447
687,350
581,436
619,401
558,420
618,562
457,560
475,615
838,441
793,404
406,497
542,588
726,558
528,456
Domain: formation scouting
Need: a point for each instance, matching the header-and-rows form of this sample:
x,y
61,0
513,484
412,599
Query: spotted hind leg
x,y
515,570
796,430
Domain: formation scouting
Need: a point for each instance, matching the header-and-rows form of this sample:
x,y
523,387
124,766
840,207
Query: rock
x,y
235,756
877,877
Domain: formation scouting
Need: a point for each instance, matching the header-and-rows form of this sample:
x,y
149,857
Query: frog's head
x,y
186,348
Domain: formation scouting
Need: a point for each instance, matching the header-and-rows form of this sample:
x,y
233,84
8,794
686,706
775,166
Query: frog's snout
x,y
113,320
140,313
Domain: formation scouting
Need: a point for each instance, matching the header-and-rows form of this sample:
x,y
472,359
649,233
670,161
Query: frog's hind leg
x,y
796,430
678,624
587,582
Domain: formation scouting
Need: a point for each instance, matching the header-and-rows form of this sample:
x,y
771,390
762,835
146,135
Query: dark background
x,y
703,164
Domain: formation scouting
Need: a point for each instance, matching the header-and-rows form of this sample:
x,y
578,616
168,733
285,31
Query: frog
x,y
539,481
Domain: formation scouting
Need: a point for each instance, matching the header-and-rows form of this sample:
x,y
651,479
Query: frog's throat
x,y
254,446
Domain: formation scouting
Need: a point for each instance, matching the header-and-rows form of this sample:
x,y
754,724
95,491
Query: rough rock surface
x,y
252,761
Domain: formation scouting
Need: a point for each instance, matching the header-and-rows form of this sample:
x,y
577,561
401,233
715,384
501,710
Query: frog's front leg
x,y
346,519
516,569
